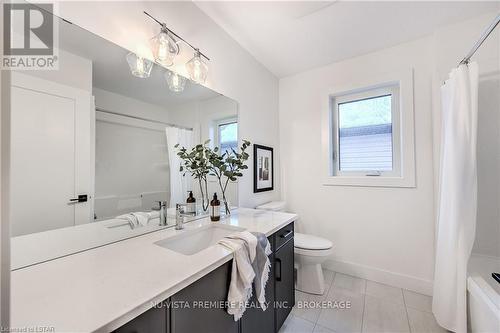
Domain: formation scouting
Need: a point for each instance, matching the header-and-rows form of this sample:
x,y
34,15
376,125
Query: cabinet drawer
x,y
154,320
284,235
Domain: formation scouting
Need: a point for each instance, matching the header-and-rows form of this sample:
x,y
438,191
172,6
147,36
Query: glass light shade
x,y
197,68
176,82
139,66
165,48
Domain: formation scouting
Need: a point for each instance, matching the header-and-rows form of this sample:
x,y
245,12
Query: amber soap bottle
x,y
215,208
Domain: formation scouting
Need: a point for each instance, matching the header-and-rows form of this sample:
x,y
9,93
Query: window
x,y
368,131
366,140
227,134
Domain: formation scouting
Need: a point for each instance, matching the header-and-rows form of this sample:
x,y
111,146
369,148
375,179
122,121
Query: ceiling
x,y
110,70
289,37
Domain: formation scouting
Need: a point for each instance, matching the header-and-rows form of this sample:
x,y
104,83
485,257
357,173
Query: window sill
x,y
368,181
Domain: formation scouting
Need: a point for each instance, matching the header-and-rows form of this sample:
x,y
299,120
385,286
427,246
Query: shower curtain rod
x,y
143,119
485,35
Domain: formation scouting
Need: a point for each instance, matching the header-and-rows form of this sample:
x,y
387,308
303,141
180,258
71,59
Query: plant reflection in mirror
x,y
202,160
195,162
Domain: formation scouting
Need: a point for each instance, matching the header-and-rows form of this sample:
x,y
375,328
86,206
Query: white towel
x,y
261,266
142,218
130,218
138,219
243,246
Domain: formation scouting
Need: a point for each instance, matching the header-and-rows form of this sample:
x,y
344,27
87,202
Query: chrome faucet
x,y
180,213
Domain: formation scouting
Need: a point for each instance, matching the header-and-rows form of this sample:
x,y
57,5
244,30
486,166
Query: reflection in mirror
x,y
92,147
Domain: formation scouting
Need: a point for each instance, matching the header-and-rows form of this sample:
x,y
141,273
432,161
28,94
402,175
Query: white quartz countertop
x,y
101,289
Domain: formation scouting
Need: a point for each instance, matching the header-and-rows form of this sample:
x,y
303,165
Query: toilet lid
x,y
310,242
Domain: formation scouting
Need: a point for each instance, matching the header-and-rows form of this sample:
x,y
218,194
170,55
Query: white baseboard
x,y
382,276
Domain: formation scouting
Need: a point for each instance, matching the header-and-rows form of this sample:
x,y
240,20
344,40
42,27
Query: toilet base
x,y
310,279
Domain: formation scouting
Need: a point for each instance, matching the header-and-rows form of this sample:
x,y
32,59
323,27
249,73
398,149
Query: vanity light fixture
x,y
139,66
163,48
176,82
197,68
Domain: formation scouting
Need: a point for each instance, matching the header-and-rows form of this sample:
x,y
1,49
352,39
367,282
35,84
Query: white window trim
x,y
393,91
405,177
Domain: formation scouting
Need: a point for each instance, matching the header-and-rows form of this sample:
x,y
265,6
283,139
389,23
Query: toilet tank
x,y
275,206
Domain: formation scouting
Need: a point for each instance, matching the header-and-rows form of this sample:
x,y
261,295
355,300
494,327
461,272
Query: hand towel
x,y
130,218
243,245
139,219
142,218
261,266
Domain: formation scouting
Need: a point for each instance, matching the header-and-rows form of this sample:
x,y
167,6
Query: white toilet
x,y
310,253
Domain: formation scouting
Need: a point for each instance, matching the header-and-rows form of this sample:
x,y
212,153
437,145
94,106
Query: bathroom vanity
x,y
142,285
196,308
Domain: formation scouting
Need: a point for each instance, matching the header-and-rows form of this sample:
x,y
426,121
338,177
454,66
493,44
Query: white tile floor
x,y
375,308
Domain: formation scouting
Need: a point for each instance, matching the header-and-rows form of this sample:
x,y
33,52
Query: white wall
x,y
385,234
233,72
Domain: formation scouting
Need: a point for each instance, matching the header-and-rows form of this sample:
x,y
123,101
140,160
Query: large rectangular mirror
x,y
90,143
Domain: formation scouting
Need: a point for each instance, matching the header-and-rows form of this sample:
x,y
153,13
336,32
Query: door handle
x,y
278,261
81,198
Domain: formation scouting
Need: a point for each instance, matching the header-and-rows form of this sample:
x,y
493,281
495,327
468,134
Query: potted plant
x,y
201,161
227,166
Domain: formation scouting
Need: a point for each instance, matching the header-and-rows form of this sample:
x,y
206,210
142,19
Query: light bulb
x,y
197,68
165,48
176,82
139,66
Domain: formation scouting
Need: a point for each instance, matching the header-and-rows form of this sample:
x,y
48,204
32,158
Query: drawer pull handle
x,y
278,277
287,234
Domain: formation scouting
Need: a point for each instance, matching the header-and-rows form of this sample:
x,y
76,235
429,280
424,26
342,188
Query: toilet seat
x,y
311,243
313,253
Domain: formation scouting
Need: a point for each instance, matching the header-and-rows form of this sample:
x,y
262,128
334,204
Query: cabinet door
x,y
151,321
284,286
203,317
254,319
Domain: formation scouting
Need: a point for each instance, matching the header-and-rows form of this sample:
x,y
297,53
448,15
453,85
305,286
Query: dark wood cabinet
x,y
204,297
284,282
154,320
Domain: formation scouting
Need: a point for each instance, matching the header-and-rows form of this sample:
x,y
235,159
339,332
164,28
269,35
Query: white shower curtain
x,y
458,197
179,185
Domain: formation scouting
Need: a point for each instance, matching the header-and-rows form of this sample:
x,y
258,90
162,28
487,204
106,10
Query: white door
x,y
50,155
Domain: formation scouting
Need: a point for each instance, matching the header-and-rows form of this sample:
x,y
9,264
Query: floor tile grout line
x,y
406,310
326,294
363,315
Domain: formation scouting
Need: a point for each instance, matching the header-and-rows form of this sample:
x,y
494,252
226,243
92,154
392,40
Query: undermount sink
x,y
192,241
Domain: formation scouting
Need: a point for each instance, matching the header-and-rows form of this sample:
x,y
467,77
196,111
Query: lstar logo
x,y
29,36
